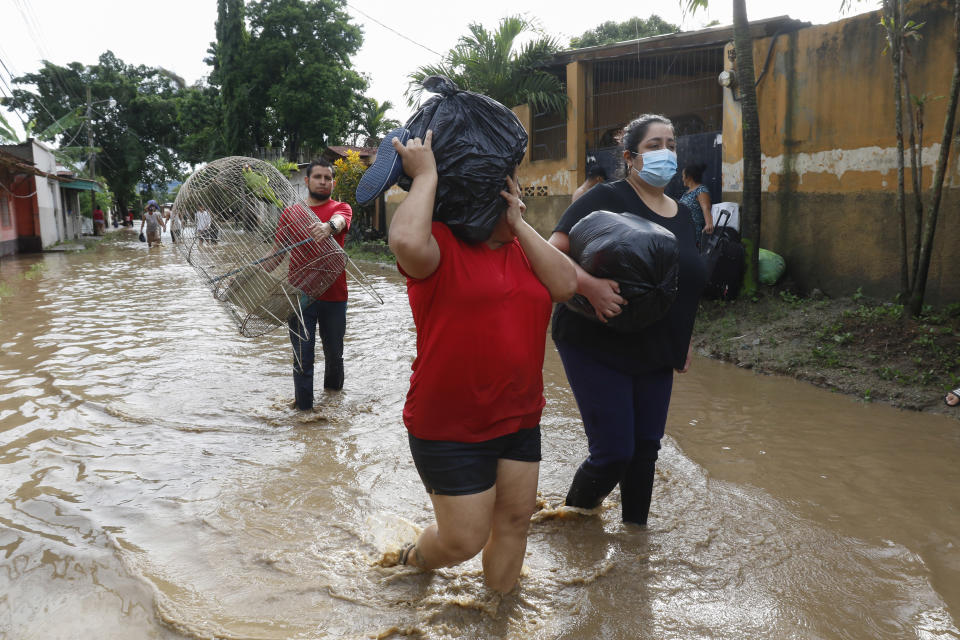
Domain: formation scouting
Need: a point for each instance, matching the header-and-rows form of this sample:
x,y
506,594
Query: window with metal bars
x,y
549,137
5,211
681,85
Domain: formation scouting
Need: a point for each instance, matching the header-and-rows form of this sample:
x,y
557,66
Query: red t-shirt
x,y
98,215
309,265
481,321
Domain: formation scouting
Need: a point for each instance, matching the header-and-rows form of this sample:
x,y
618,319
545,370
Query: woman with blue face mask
x,y
622,381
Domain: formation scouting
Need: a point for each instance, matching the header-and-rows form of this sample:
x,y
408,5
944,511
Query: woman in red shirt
x,y
476,393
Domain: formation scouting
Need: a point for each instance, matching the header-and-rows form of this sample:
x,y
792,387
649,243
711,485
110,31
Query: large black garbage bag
x,y
640,255
477,143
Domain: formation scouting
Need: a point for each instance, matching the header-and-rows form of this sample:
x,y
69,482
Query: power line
x,y
369,17
36,35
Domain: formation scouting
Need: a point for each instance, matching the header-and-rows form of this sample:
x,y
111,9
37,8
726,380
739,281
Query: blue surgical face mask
x,y
658,167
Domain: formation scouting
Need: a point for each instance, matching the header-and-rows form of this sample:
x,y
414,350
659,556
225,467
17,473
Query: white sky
x,y
175,34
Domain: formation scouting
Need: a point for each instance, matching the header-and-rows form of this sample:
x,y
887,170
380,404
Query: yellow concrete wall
x,y
829,152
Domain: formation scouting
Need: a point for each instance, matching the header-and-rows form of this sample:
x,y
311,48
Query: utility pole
x,y
91,154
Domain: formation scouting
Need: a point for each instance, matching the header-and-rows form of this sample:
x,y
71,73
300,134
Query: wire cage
x,y
246,232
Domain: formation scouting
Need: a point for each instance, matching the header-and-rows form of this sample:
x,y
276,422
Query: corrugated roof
x,y
20,165
711,36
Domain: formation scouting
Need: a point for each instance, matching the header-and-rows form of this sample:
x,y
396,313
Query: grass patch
x,y
370,252
865,347
35,271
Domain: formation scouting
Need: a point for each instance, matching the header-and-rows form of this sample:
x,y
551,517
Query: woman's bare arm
x,y
410,237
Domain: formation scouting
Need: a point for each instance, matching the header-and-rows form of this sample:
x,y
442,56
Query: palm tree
x,y
489,63
372,122
750,129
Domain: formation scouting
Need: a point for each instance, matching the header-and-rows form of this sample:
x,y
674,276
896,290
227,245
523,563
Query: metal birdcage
x,y
246,232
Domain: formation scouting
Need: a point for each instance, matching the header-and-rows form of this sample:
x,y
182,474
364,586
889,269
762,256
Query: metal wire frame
x,y
246,233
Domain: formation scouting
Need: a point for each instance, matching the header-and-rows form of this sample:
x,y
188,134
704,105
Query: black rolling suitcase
x,y
724,256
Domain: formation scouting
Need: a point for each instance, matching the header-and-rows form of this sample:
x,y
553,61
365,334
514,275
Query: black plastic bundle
x,y
640,255
477,142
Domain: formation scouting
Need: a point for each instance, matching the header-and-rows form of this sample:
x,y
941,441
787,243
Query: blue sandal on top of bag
x,y
385,170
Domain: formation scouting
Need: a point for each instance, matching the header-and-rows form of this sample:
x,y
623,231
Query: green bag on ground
x,y
772,267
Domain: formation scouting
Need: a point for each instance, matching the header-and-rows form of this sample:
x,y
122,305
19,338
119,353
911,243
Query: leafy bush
x,y
349,172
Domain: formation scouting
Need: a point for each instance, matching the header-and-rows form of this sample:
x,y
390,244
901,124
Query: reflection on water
x,y
159,486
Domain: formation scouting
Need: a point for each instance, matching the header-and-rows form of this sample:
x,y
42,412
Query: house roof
x,y
19,165
82,184
711,36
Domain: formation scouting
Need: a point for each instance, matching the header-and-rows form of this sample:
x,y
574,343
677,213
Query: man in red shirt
x,y
323,309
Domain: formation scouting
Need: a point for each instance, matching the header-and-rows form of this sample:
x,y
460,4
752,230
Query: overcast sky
x,y
398,36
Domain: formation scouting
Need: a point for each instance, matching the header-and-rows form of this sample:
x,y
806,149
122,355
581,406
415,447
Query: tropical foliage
x,y
493,63
632,29
372,123
133,117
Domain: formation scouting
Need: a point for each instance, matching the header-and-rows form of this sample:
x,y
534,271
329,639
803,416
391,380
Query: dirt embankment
x,y
866,348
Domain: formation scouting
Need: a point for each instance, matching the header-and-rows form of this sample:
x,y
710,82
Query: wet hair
x,y
596,171
321,162
634,132
695,171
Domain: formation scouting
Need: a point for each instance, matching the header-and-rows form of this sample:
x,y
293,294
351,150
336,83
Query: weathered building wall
x,y
829,153
8,219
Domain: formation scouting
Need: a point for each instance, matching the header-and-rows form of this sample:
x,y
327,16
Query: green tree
x,y
372,123
68,154
133,117
491,63
631,29
203,132
302,87
229,61
930,223
750,210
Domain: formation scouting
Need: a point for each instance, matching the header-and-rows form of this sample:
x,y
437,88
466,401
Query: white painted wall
x,y
49,204
836,162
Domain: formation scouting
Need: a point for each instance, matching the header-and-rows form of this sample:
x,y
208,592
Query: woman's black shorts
x,y
462,468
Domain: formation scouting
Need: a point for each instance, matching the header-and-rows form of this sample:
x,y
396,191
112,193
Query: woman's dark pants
x,y
331,319
624,417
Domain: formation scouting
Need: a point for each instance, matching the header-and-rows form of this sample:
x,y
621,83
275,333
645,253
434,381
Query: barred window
x,y
5,211
549,139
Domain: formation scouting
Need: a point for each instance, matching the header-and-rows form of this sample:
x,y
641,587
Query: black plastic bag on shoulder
x,y
640,255
477,142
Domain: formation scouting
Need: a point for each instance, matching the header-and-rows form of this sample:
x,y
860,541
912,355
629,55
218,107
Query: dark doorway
x,y
705,148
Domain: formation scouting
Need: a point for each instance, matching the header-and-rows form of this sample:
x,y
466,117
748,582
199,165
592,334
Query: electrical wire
x,y
369,17
15,195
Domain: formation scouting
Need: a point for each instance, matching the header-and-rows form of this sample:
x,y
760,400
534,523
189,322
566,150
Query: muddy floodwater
x,y
157,484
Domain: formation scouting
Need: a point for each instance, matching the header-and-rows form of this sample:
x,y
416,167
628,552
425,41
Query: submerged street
x,y
158,485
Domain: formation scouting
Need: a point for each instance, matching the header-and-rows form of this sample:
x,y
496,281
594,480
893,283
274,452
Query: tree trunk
x,y
916,298
293,146
750,127
893,10
916,170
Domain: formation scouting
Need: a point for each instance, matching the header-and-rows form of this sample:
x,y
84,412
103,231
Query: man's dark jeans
x,y
331,318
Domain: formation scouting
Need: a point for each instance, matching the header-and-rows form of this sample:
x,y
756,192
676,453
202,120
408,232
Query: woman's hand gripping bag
x,y
477,142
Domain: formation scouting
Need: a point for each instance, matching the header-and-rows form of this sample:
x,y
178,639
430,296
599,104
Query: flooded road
x,y
157,484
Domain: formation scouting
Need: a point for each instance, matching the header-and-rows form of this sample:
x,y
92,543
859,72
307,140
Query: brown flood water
x,y
158,486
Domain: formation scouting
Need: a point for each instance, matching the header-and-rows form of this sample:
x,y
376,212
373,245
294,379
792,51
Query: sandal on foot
x,y
405,552
385,170
956,394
